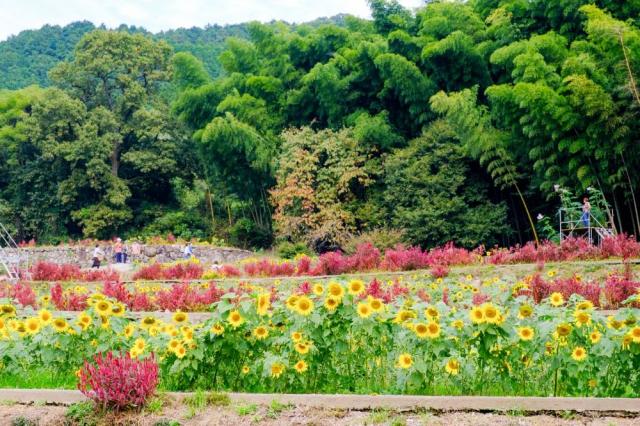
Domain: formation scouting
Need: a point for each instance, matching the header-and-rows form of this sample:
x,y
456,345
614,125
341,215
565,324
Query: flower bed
x,y
354,337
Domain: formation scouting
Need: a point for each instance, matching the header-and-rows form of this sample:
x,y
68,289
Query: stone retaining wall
x,y
81,255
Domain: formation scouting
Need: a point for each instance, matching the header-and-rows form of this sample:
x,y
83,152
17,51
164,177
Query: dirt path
x,y
264,415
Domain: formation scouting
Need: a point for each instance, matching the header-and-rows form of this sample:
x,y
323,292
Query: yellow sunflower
x,y
364,310
45,316
235,319
302,347
292,302
556,299
331,303
277,368
304,305
60,325
140,345
490,313
217,329
261,332
118,309
32,325
129,330
84,320
318,289
525,311
180,351
296,336
526,333
103,308
581,318
335,290
147,322
405,361
563,329
579,354
457,324
452,367
585,305
433,330
180,317
635,334
301,366
431,313
356,287
376,304
477,315
263,304
421,330
595,336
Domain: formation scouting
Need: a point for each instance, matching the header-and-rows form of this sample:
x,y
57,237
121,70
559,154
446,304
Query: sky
x,y
157,15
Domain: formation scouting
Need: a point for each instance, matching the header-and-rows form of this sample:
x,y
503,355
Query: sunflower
x,y
457,324
404,315
105,323
635,334
433,330
32,325
60,325
261,332
140,345
45,316
431,313
103,308
452,367
585,305
614,323
405,361
335,290
263,304
376,304
331,303
582,318
556,299
173,345
129,330
180,351
364,310
526,333
292,302
318,289
2,325
525,311
180,317
235,319
302,347
301,366
595,336
563,329
579,354
133,353
304,305
117,309
490,313
626,341
245,369
296,336
148,322
356,287
84,320
477,315
7,310
277,368
217,329
421,330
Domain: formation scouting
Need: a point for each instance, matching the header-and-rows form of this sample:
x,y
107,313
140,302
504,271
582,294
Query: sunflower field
x,y
423,336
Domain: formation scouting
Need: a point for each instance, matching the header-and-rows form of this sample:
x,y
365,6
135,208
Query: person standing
x,y
136,250
117,249
96,257
188,251
586,212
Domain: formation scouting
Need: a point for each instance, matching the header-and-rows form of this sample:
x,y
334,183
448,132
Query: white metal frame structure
x,y
569,226
13,260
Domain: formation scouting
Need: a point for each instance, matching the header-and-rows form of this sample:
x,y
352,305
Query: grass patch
x,y
246,410
276,408
82,414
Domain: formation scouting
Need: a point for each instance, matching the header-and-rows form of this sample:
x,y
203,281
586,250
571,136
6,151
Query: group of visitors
x,y
122,253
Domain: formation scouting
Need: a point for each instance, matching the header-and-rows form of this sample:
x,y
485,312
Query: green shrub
x,y
288,250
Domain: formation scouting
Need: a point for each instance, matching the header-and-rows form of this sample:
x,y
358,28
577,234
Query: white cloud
x,y
157,15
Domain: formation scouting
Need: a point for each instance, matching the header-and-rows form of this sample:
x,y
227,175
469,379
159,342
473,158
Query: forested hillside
x,y
455,122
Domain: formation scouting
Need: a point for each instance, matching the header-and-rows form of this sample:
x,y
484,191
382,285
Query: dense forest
x,y
453,122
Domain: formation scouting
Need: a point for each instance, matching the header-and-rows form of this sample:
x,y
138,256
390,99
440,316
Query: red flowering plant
x,y
118,382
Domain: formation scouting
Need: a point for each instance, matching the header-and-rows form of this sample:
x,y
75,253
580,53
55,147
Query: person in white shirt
x,y
188,251
96,257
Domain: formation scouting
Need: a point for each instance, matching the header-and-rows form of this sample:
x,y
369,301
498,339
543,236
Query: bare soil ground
x,y
177,414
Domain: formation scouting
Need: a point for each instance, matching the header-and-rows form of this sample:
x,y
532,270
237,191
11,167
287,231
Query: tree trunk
x,y
115,159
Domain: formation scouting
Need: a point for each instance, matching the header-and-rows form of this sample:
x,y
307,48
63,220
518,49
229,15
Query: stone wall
x,y
81,255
